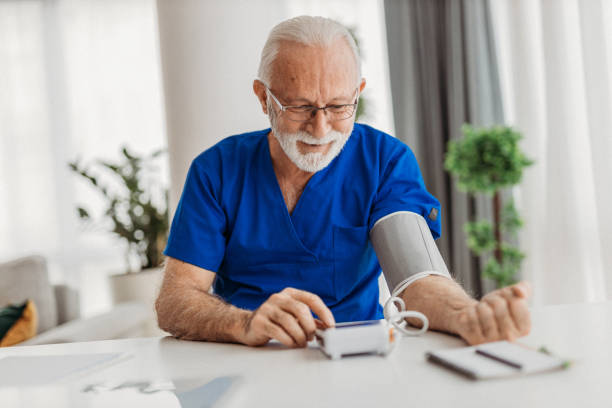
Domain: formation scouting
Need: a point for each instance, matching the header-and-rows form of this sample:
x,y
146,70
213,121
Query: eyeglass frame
x,y
315,109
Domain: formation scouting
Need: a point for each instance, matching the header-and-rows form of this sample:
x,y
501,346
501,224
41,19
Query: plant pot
x,y
140,287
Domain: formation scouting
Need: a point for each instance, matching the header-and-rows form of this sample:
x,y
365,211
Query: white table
x,y
276,376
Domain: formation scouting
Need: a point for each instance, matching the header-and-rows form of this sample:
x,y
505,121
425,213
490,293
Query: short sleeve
x,y
197,234
401,188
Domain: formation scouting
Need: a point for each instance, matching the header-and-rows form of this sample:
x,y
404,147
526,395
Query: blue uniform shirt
x,y
232,220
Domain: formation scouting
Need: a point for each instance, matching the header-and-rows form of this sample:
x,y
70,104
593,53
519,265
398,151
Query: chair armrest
x,y
67,302
124,320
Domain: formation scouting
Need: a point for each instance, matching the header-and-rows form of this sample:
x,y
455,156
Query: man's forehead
x,y
300,69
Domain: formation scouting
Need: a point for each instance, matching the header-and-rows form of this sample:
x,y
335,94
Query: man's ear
x,y
260,91
362,85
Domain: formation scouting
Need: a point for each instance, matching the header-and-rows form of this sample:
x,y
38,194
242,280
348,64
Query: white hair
x,y
306,30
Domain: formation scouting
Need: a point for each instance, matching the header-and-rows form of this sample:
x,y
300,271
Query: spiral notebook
x,y
496,360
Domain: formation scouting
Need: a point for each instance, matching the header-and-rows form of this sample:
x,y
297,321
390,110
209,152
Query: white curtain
x,y
77,79
555,58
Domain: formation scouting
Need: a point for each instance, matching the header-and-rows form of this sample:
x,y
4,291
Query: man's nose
x,y
320,124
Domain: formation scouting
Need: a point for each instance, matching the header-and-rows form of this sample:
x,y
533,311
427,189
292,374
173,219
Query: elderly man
x,y
278,221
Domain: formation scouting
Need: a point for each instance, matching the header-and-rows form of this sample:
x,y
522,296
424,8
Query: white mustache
x,y
306,137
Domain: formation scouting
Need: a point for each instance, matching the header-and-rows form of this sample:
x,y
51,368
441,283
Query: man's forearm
x,y
438,298
192,314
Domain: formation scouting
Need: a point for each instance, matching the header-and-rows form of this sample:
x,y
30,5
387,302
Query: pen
x,y
498,359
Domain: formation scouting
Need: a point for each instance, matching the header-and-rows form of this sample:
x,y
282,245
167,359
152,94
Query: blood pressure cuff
x,y
406,250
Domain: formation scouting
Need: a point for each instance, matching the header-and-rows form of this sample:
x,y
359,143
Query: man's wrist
x,y
460,314
239,329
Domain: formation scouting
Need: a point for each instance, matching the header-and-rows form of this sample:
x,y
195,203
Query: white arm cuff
x,y
409,281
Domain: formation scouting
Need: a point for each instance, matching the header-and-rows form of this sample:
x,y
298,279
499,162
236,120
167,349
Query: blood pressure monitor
x,y
365,337
407,252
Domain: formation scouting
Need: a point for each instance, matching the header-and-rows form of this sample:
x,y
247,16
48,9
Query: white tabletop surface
x,y
277,376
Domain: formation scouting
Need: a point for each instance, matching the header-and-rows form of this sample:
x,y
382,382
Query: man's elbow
x,y
160,311
164,309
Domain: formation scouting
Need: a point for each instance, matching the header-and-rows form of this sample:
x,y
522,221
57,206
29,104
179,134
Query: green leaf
x,y
504,274
510,219
492,269
158,153
127,154
480,236
83,213
486,159
512,257
113,167
500,274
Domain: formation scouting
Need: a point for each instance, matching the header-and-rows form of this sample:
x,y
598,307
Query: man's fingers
x,y
287,317
520,313
302,313
518,307
315,303
501,314
487,321
505,323
276,332
288,322
521,289
471,330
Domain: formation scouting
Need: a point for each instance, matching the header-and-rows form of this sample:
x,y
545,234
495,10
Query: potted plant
x,y
138,216
486,161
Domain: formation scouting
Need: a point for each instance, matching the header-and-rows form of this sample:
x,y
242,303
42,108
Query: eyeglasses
x,y
304,113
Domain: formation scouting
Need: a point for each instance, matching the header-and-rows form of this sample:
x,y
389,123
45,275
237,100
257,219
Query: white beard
x,y
310,162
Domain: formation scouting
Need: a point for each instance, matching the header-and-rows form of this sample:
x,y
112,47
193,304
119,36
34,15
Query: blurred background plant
x,y
138,216
486,161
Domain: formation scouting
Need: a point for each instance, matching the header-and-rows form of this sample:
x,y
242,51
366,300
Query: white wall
x,y
210,55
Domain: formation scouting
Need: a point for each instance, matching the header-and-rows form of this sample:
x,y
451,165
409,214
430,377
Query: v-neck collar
x,y
279,200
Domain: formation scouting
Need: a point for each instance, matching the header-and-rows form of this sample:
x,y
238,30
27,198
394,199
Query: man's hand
x,y
500,315
286,316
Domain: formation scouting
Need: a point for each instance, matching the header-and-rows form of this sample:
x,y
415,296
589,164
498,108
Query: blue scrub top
x,y
232,220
